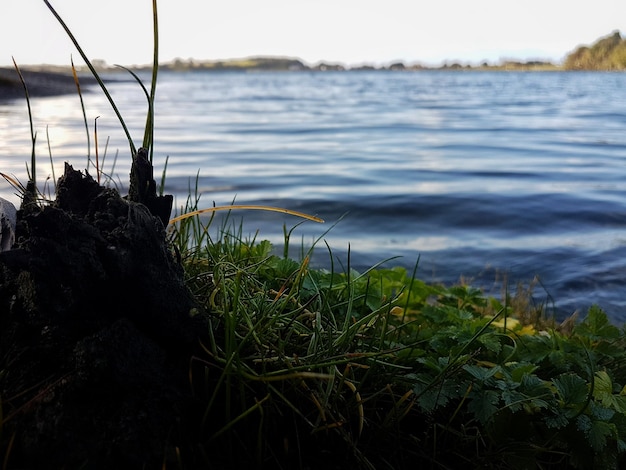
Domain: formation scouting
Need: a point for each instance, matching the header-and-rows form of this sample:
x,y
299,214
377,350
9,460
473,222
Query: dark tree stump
x,y
97,329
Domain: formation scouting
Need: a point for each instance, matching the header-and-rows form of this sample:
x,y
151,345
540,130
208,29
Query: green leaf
x,y
596,326
557,420
437,315
603,384
533,386
518,371
491,342
603,392
433,397
481,373
435,364
571,388
596,431
599,433
618,403
513,399
583,423
483,404
602,413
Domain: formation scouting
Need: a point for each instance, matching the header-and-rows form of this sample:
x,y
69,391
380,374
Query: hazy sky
x,y
350,32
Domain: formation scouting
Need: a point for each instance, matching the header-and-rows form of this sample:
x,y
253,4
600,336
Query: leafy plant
x,y
385,371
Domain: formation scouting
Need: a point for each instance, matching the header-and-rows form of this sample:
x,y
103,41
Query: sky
x,y
347,32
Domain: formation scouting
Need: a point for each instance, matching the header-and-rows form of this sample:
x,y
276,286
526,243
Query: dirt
x,y
97,329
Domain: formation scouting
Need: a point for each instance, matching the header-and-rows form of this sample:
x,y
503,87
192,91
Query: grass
x,y
379,370
335,368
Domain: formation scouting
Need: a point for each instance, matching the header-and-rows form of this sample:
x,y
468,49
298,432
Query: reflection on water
x,y
472,173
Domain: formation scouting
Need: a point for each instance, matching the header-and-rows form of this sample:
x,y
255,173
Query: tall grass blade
x,y
14,182
146,145
93,71
162,185
82,106
33,136
95,138
54,178
148,137
247,207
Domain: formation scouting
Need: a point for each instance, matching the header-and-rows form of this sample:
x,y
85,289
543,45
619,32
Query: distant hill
x,y
607,53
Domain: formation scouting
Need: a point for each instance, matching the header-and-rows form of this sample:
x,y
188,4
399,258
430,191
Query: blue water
x,y
480,176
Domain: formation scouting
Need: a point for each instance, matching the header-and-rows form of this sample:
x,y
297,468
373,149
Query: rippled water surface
x,y
478,175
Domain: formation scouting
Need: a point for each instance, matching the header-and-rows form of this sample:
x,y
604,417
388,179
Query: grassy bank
x,y
378,369
333,368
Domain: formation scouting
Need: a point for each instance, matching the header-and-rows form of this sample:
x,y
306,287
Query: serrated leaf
x,y
435,315
596,325
603,384
533,386
583,423
602,413
483,404
571,388
596,431
491,342
435,364
598,434
618,403
556,421
435,396
603,392
513,399
520,370
481,373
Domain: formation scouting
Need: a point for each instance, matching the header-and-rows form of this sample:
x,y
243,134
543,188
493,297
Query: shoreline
x,y
55,80
39,82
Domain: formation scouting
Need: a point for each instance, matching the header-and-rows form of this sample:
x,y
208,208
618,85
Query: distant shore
x,y
40,81
286,64
51,80
606,54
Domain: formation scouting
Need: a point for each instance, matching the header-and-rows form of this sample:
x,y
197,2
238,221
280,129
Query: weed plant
x,y
379,370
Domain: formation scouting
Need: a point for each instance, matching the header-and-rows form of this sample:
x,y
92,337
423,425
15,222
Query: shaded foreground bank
x,y
121,345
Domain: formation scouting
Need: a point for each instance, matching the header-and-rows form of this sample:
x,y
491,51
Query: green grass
x,y
310,367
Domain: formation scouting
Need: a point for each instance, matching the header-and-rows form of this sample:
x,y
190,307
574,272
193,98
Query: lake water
x,y
478,175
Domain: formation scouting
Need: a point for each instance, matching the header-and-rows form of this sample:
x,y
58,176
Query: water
x,y
478,175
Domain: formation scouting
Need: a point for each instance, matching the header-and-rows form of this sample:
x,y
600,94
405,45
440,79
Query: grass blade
x,y
133,149
148,137
250,207
82,106
30,119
